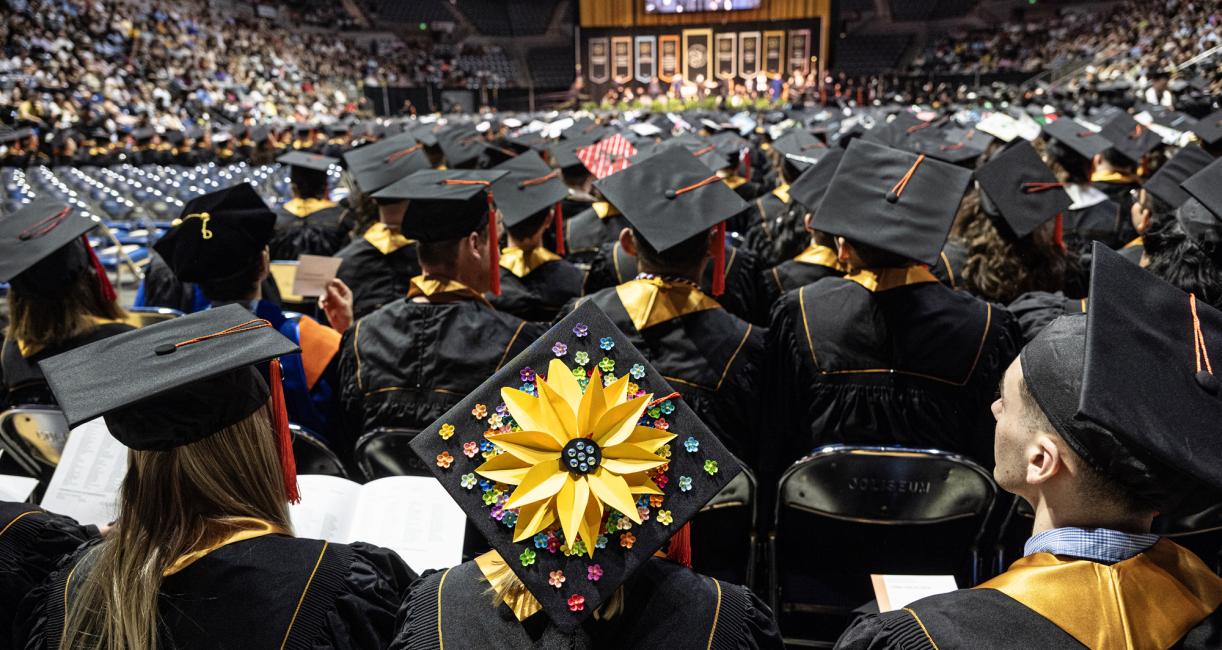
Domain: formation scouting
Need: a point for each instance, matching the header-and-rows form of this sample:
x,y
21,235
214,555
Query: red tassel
x,y
284,437
746,160
494,249
719,259
559,219
1058,231
680,549
104,285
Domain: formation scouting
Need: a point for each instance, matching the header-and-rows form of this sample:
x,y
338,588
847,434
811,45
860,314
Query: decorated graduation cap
x,y
449,204
898,201
800,149
1130,138
577,462
378,164
529,187
218,234
462,145
809,189
1165,183
607,156
672,197
1209,128
1201,214
1076,137
183,380
44,247
1022,191
306,160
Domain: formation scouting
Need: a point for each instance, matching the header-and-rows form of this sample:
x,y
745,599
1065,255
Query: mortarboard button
x,y
892,197
670,194
1208,381
164,349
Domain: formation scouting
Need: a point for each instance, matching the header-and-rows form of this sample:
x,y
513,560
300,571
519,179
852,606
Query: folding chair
x,y
143,316
313,456
385,452
845,513
33,436
723,532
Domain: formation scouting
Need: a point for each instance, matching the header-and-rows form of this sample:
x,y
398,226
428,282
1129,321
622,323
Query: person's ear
x,y
265,264
806,221
844,250
1044,460
627,241
475,247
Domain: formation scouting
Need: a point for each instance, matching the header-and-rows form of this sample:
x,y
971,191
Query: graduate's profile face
x,y
1012,431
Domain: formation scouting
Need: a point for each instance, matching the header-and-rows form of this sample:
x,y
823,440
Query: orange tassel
x,y
494,249
719,259
284,437
680,549
1058,231
559,219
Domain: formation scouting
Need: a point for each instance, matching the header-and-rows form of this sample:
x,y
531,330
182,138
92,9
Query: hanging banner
x,y
697,44
799,51
748,54
600,71
645,63
726,62
668,48
621,59
774,52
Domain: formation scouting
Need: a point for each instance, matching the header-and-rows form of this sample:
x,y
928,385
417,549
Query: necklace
x,y
670,279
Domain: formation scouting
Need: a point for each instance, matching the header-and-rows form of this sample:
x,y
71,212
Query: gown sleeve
x,y
31,620
896,630
364,613
757,628
417,613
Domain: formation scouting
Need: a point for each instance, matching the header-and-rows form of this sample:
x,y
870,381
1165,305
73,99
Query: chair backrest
x,y
142,316
313,456
34,436
723,532
386,452
844,513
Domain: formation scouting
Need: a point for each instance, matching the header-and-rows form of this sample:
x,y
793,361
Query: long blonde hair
x,y
44,321
172,502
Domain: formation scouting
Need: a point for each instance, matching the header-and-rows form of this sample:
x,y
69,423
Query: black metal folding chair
x,y
723,532
313,456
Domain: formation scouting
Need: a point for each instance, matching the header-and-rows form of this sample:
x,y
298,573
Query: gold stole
x,y
521,263
387,241
653,301
782,193
242,529
1113,177
820,256
507,585
306,207
440,290
876,280
734,181
1148,601
603,209
1137,241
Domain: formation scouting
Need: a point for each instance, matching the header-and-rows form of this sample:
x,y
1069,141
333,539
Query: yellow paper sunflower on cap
x,y
577,454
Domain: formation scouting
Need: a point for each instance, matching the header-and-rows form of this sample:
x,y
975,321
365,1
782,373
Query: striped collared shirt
x,y
1096,544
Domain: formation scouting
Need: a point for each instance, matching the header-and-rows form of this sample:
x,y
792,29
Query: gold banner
x,y
697,44
668,67
748,54
726,62
799,51
774,52
621,59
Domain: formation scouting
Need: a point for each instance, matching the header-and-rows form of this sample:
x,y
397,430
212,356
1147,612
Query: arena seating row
x,y
416,11
865,54
906,10
551,67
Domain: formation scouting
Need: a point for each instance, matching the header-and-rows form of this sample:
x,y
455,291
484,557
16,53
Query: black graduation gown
x,y
307,227
774,230
1103,221
376,278
541,292
710,356
914,364
586,231
949,269
665,606
814,264
408,363
22,381
161,288
268,592
32,544
1035,310
614,266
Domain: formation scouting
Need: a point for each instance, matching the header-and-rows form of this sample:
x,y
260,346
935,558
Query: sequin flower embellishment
x,y
555,578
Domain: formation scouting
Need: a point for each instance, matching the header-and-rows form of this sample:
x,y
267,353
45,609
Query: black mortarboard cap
x,y
953,145
654,196
1020,189
307,160
41,249
897,131
564,154
662,451
378,164
528,187
183,379
143,134
1209,128
1130,138
218,234
174,136
1076,137
15,135
809,189
442,204
1165,183
1201,214
800,149
461,145
528,141
496,153
894,200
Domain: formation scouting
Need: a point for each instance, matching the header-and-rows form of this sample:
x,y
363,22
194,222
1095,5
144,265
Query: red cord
x,y
559,223
104,285
1058,231
719,259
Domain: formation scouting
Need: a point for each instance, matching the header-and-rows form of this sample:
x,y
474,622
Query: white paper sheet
x,y
898,591
86,482
313,274
326,508
16,489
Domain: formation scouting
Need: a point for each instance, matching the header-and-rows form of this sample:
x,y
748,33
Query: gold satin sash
x,y
507,585
603,209
653,301
1137,241
387,241
820,256
734,181
246,528
876,280
782,193
1148,601
521,263
443,290
305,207
1113,177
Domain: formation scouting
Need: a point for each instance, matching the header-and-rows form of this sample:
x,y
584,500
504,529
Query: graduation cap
x,y
800,149
378,164
461,145
951,145
528,187
1020,189
302,128
305,160
425,133
497,154
1209,128
1077,137
576,482
143,134
564,154
607,156
897,131
671,198
1165,183
448,204
218,234
809,189
898,201
582,129
174,136
43,248
528,141
1130,138
14,136
1201,215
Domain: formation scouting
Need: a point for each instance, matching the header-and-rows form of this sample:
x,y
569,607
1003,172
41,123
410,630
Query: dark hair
x,y
683,258
441,254
1117,160
46,321
529,226
1177,258
574,175
1000,267
235,286
876,258
1073,167
308,183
